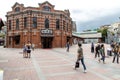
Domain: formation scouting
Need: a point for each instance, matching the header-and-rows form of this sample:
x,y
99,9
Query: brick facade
x,y
43,26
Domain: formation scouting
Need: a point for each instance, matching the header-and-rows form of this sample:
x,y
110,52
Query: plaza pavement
x,y
55,64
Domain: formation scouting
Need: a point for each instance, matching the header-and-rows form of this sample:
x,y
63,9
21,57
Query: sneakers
x,y
85,71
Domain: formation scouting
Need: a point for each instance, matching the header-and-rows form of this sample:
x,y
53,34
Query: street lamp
x,y
30,28
61,29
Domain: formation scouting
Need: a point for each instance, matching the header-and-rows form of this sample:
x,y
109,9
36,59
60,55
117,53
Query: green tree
x,y
104,33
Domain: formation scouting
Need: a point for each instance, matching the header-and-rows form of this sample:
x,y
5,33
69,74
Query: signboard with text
x,y
46,32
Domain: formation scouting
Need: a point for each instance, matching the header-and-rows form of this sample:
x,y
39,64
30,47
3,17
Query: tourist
x,y
92,47
102,52
29,49
97,52
80,56
116,52
68,46
24,51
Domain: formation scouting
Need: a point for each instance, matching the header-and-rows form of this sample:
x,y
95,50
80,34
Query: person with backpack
x,y
80,57
97,50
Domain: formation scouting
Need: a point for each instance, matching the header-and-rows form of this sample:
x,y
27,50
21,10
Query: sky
x,y
88,14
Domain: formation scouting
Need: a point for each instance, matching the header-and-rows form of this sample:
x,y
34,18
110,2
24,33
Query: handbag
x,y
77,64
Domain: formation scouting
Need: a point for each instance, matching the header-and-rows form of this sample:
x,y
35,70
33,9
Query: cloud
x,y
88,15
84,12
96,23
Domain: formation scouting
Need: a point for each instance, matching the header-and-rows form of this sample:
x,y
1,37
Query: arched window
x,y
17,9
17,24
25,22
46,23
57,24
9,24
34,22
46,8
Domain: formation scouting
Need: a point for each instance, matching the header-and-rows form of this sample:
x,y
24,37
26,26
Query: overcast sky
x,y
88,14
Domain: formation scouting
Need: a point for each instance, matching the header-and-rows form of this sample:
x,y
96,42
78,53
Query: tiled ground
x,y
55,64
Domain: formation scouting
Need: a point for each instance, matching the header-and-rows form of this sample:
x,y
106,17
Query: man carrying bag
x,y
80,57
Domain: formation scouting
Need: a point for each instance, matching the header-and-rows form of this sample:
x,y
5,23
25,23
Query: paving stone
x,y
56,64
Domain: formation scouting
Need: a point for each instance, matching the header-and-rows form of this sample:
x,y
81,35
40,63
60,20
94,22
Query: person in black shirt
x,y
97,50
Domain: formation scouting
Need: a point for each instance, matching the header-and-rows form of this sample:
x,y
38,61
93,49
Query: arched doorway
x,y
46,42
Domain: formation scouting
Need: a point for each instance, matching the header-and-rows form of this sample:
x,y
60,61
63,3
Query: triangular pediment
x,y
46,3
16,4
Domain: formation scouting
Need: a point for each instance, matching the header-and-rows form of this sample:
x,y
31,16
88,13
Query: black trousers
x,y
97,54
116,55
92,49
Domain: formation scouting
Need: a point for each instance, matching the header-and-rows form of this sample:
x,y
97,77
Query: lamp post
x,y
61,29
30,28
13,37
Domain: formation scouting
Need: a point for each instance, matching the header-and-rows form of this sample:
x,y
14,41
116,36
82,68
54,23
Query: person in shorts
x,y
29,49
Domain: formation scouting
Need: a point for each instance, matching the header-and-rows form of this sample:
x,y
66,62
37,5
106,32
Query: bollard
x,y
1,74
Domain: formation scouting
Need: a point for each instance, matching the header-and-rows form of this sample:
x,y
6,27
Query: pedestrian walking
x,y
68,46
80,57
24,51
112,44
28,50
92,47
102,52
97,50
116,52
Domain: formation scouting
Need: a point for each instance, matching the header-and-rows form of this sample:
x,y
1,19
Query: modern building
x,y
87,37
114,32
43,26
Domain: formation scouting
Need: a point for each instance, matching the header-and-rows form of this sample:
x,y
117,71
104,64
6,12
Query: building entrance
x,y
47,42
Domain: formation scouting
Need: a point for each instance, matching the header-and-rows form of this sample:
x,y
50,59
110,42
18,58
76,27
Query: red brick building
x,y
43,26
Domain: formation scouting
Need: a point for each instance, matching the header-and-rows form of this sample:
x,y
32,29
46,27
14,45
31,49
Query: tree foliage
x,y
103,32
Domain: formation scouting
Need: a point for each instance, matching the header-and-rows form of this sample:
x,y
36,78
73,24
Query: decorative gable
x,y
46,6
17,7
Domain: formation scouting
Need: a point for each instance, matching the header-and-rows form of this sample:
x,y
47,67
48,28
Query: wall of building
x,y
58,38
